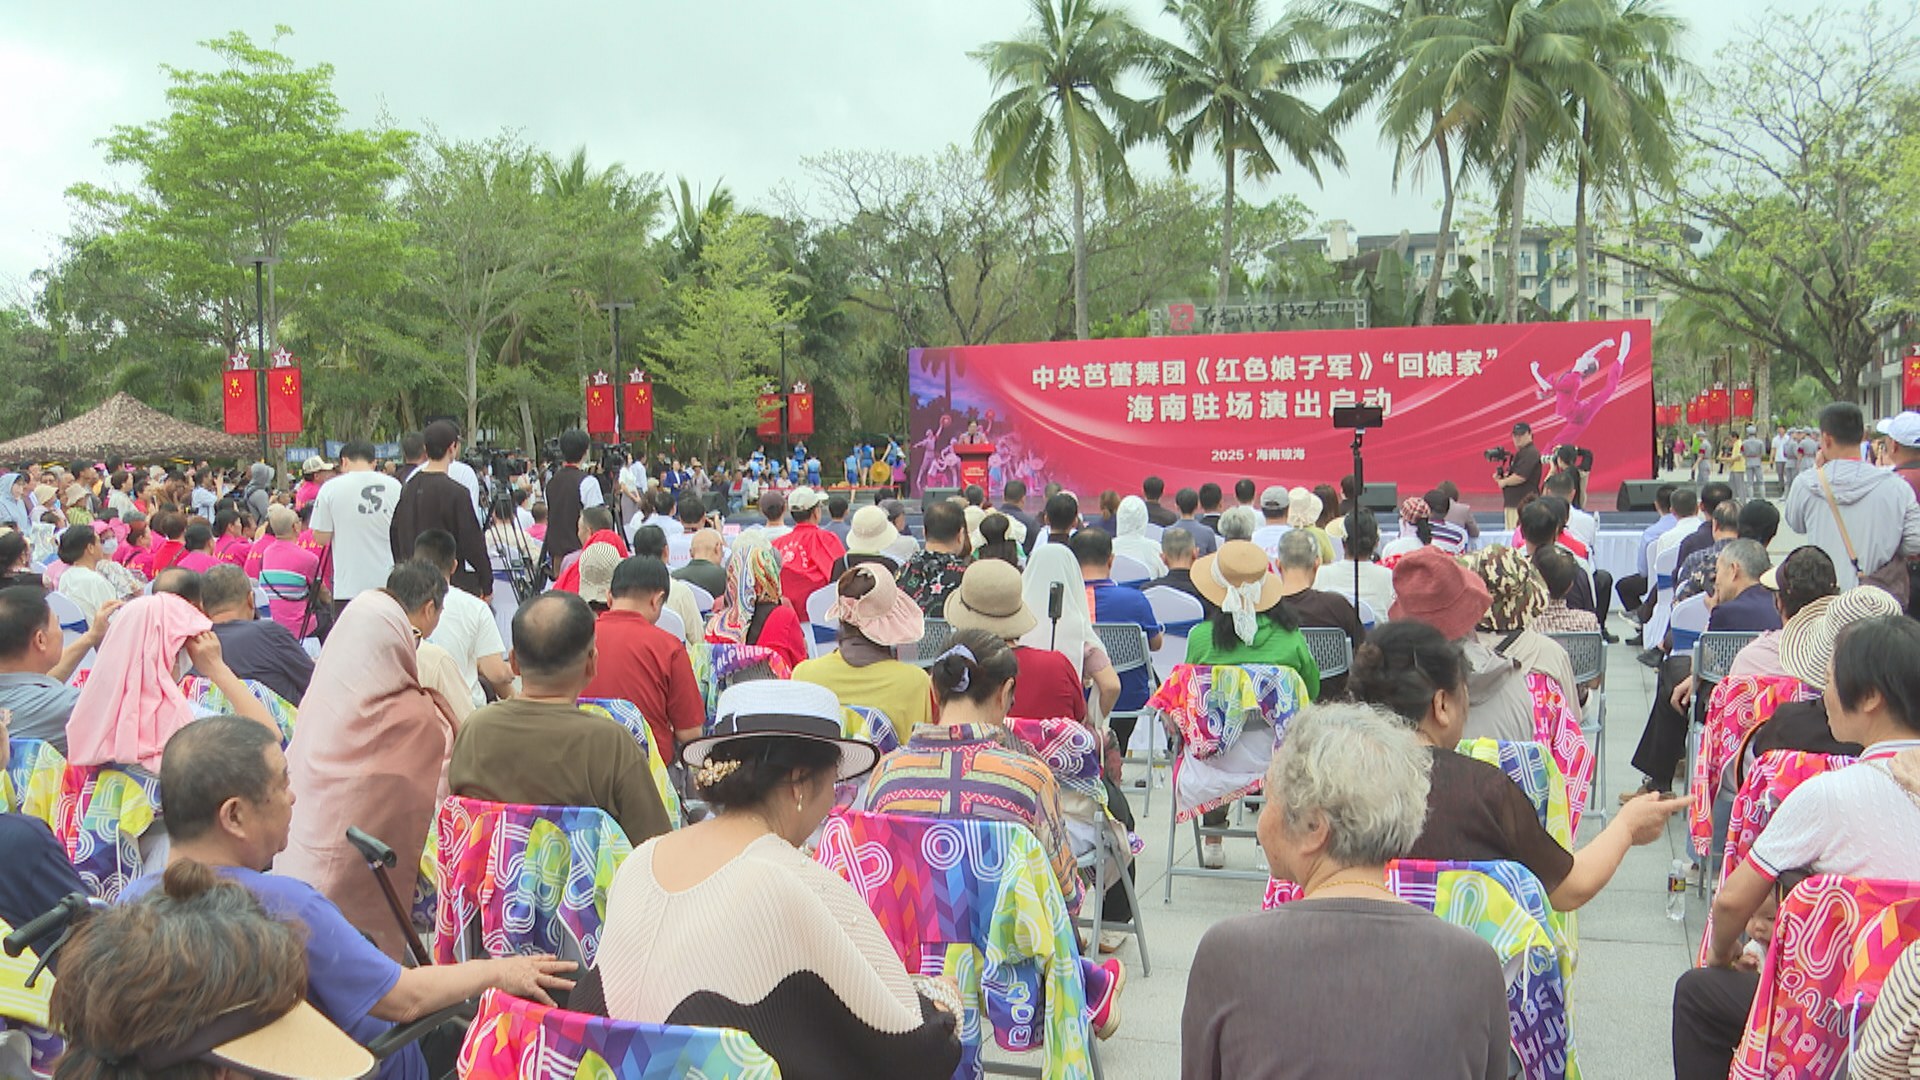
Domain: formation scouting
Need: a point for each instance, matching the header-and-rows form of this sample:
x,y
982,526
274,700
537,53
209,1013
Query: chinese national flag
x,y
638,407
1910,381
239,402
1719,410
800,414
1693,410
769,416
283,400
600,419
1743,402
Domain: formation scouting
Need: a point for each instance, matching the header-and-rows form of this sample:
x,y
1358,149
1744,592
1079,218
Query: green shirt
x,y
1271,645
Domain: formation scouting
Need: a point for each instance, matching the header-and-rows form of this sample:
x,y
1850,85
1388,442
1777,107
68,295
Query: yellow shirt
x,y
901,690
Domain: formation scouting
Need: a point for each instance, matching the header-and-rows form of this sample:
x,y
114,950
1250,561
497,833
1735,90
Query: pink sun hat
x,y
885,615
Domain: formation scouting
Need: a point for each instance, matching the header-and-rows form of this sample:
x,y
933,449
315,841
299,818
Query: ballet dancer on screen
x,y
1567,404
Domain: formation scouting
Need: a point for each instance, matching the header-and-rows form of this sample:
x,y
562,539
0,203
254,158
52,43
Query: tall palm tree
x,y
1372,38
1232,83
1510,66
1625,133
1060,108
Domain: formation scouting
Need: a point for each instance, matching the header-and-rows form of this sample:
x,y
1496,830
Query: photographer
x,y
1519,475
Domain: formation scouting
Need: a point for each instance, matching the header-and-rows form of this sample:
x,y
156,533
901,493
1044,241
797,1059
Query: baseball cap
x,y
315,464
1275,498
804,498
1523,428
1903,429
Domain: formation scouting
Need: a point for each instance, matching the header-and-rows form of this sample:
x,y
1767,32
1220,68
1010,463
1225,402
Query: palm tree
x,y
1233,84
1059,99
1625,133
1510,65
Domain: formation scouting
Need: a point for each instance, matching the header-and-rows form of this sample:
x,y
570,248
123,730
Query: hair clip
x,y
712,772
966,676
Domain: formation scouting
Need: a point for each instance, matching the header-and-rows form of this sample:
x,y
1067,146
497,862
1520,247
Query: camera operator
x,y
1519,476
570,490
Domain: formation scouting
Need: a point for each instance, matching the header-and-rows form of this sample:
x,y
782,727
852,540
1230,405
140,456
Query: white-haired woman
x,y
1348,793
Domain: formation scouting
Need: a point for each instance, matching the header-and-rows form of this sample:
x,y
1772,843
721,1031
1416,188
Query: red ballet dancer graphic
x,y
1578,414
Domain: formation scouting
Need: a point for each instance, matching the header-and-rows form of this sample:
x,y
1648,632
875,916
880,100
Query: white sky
x,y
733,89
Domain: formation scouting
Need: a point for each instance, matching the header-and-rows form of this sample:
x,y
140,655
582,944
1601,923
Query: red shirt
x,y
783,634
1047,687
641,663
807,554
159,557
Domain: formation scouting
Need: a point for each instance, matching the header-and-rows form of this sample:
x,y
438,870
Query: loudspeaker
x,y
934,495
1637,495
1383,497
717,503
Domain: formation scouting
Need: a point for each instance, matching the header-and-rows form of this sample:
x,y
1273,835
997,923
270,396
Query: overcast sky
x,y
733,89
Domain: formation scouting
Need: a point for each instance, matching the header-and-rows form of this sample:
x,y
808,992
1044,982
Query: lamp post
x,y
786,447
616,307
260,260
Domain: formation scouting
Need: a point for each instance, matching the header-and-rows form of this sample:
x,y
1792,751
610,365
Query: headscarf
x,y
1130,535
753,580
1050,564
13,509
1517,590
132,703
370,752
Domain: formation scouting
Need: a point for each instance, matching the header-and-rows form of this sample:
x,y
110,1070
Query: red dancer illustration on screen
x,y
1567,404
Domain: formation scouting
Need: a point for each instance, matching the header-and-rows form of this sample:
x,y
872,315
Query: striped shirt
x,y
969,771
1889,1047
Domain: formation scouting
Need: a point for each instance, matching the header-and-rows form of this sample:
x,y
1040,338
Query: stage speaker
x,y
717,503
1637,495
1381,497
934,495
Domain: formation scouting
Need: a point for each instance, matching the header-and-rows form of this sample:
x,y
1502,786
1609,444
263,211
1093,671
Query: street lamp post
x,y
616,307
786,444
260,261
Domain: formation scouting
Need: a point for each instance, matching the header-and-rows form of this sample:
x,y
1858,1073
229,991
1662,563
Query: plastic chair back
x,y
1177,613
1368,617
1687,623
512,1039
1126,645
822,632
103,818
1130,571
32,780
1331,648
671,622
702,599
73,621
933,642
1734,707
1717,650
1229,718
1588,653
533,878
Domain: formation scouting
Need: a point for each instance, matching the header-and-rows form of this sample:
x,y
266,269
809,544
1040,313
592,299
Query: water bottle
x,y
1677,877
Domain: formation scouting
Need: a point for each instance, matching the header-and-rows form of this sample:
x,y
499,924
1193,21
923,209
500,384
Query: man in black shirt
x,y
254,648
1520,479
434,500
569,491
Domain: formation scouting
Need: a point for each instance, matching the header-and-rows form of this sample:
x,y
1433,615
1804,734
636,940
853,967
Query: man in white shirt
x,y
1783,458
354,513
80,549
1273,507
468,629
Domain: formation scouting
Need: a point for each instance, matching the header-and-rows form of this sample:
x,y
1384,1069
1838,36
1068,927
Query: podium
x,y
973,464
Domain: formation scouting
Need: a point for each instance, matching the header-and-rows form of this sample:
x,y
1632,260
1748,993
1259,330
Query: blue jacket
x,y
1751,610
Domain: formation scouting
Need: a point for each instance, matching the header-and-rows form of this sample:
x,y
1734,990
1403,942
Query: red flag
x,y
1743,402
284,400
1719,409
769,416
600,420
637,404
240,403
1693,409
1910,381
800,412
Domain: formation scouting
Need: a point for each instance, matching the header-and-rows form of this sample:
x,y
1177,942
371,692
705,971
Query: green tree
x,y
725,345
1060,108
251,158
1234,84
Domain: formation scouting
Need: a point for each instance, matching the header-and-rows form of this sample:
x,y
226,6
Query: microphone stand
x,y
1056,606
1353,520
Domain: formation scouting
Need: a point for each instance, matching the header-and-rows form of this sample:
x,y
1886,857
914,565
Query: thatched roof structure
x,y
127,427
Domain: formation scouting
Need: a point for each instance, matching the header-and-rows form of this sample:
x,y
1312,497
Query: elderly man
x,y
468,629
35,666
807,551
1299,562
540,747
1205,540
255,648
1178,552
706,552
641,663
1274,504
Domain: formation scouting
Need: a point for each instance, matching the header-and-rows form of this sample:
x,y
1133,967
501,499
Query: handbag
x,y
1890,576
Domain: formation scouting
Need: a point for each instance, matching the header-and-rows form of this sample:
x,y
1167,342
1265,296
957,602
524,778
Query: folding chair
x,y
1331,648
105,818
1588,652
522,879
32,780
821,634
1735,706
702,599
1130,571
1177,613
1664,566
1368,617
933,642
1713,653
73,621
1126,646
671,622
513,1039
659,759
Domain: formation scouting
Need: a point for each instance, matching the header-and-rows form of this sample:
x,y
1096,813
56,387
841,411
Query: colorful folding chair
x,y
1772,778
1800,1022
522,879
976,900
1556,726
1737,706
207,700
1529,766
627,715
31,783
103,817
512,1039
23,1009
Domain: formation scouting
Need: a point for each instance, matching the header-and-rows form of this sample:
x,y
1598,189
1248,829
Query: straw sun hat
x,y
1806,645
990,599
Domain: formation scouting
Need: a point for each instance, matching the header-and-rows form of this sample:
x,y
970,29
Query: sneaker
x,y
1111,940
1213,853
1103,1003
1651,658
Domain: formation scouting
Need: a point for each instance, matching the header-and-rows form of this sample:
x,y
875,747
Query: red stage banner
x,y
1192,409
600,421
769,416
800,411
284,396
636,406
239,397
1910,381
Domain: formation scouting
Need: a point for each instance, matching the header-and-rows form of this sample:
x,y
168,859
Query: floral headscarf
x,y
1517,589
753,578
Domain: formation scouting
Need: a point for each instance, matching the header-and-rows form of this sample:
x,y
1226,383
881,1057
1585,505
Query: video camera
x,y
1499,455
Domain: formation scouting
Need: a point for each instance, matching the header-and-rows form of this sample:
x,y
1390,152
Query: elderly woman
x,y
1130,536
875,619
1858,822
1433,587
1474,811
728,924
1347,793
752,612
1516,593
1806,653
371,751
1304,508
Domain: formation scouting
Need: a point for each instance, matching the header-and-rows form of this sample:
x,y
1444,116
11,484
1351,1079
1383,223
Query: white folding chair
x,y
1687,623
73,622
670,622
821,634
702,599
1664,565
1130,571
260,599
1177,613
1369,618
